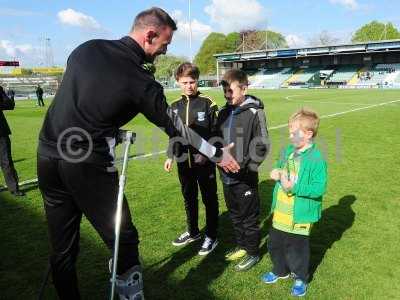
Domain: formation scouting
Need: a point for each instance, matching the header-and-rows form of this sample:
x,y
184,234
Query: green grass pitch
x,y
354,248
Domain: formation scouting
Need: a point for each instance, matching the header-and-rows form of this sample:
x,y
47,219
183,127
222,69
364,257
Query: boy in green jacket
x,y
301,176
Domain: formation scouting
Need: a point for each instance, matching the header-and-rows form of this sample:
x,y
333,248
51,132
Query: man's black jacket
x,y
39,92
105,85
6,103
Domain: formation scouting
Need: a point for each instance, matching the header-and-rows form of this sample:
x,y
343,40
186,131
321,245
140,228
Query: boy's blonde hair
x,y
307,118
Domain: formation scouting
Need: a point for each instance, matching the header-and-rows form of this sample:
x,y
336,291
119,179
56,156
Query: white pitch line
x,y
148,155
321,102
358,109
271,128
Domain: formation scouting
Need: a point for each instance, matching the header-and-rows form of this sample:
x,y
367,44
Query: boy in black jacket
x,y
242,122
199,113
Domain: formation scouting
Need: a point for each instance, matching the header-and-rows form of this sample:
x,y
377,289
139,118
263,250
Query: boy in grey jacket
x,y
242,122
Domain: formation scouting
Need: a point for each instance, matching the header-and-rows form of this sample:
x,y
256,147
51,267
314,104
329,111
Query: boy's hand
x,y
286,184
228,163
168,165
276,174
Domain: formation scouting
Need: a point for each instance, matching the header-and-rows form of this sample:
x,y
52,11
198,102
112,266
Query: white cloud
x,y
199,29
26,54
12,50
349,4
234,15
294,41
78,19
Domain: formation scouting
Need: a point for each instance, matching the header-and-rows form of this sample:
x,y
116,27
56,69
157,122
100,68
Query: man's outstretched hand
x,y
228,163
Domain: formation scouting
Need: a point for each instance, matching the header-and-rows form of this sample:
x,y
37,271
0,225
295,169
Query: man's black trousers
x,y
70,190
243,204
204,177
289,253
40,101
7,165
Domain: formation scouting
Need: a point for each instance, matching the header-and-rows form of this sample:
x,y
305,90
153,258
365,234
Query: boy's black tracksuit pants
x,y
243,203
191,177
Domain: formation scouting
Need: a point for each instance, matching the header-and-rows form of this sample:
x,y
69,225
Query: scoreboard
x,y
4,63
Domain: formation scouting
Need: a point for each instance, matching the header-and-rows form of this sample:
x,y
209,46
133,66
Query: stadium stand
x,y
343,74
303,75
25,86
397,79
374,64
271,78
380,74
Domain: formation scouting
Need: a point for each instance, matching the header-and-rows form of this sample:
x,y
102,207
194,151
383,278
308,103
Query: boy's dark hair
x,y
187,69
235,75
154,16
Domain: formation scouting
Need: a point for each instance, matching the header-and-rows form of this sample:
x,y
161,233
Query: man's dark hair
x,y
154,16
187,69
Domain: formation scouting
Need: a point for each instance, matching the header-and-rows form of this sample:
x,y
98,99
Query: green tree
x,y
275,39
213,44
376,31
233,42
26,71
166,66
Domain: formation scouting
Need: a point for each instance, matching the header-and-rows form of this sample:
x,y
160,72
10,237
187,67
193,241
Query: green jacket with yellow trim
x,y
198,112
310,186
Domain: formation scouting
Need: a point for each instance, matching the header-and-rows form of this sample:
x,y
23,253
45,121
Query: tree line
x,y
250,40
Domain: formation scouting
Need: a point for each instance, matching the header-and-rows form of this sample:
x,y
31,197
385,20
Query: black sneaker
x,y
185,238
208,246
247,263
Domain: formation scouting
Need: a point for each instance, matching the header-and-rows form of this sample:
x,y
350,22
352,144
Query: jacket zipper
x,y
187,124
229,134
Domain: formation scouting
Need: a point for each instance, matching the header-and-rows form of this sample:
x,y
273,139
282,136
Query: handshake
x,y
286,179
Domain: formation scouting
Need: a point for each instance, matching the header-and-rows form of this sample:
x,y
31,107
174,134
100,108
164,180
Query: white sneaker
x,y
185,238
208,246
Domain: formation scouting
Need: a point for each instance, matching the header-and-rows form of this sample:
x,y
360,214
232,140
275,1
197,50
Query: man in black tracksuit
x,y
242,121
39,95
77,140
6,162
194,169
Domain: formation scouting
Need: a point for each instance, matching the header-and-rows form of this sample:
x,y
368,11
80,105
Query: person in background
x,y
39,95
6,162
